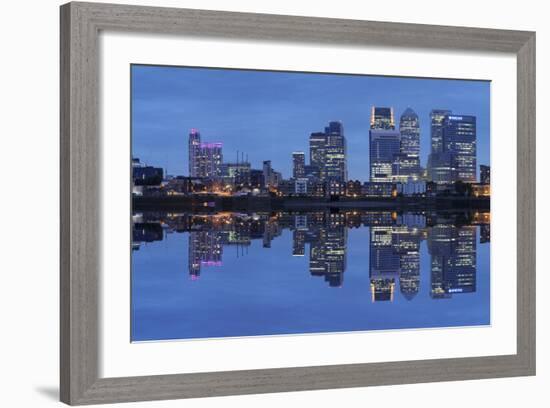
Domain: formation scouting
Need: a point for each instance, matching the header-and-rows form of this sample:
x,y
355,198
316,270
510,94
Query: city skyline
x,y
167,143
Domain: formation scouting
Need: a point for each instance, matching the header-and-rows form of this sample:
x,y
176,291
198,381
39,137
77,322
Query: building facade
x,y
208,159
459,138
384,146
485,174
298,165
194,143
382,118
408,162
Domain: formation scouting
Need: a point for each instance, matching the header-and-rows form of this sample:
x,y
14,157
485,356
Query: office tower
x,y
437,117
328,152
442,168
194,142
335,153
267,173
317,143
298,165
382,118
409,127
459,138
485,174
408,161
208,159
311,171
384,146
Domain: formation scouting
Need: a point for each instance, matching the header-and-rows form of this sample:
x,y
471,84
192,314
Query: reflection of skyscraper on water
x,y
299,235
383,263
327,253
395,256
205,249
453,253
406,242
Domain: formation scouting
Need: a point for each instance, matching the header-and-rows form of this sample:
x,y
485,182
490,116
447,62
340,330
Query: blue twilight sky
x,y
268,115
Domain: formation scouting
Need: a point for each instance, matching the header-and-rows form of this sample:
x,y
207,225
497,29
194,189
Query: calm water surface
x,y
230,274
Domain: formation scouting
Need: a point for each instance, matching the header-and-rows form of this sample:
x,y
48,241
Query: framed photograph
x,y
260,203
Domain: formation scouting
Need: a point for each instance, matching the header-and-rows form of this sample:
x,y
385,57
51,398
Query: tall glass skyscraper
x,y
384,147
437,117
298,165
317,142
384,144
336,167
459,138
408,163
409,127
454,150
328,152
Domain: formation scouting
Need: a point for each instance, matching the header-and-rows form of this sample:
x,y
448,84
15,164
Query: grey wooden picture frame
x,y
81,24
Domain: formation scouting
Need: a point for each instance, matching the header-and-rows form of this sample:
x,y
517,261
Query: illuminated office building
x,y
382,118
298,165
408,161
336,153
437,116
384,146
459,138
328,152
317,142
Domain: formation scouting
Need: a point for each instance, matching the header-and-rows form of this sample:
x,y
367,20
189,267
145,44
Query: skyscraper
x,y
453,156
194,142
298,165
208,159
459,138
317,142
384,146
437,116
328,152
408,162
335,160
382,118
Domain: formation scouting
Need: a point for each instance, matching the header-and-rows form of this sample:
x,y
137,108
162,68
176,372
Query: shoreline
x,y
209,203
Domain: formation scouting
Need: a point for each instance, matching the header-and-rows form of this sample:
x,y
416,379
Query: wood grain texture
x,y
80,233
